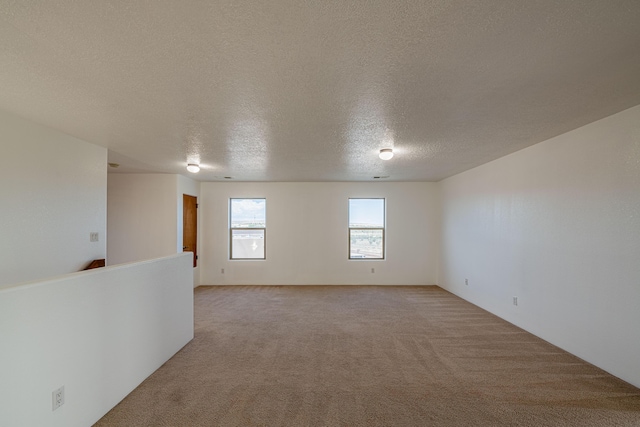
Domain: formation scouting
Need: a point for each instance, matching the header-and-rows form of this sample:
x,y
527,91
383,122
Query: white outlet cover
x,y
58,398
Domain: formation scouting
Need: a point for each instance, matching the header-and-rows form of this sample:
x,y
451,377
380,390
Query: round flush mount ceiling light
x,y
193,168
386,153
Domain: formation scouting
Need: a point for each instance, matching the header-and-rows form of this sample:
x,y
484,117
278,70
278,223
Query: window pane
x,y
249,213
365,213
366,243
247,244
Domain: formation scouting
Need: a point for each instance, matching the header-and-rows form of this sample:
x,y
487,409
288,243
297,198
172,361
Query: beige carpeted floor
x,y
368,356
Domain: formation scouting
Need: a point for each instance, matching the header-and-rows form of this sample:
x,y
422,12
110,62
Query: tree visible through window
x,y
366,228
248,228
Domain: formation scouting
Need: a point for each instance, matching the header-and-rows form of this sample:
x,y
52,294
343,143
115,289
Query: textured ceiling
x,y
311,90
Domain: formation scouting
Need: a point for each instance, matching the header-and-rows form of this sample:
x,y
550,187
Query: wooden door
x,y
190,226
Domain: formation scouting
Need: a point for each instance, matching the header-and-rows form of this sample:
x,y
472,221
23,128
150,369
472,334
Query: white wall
x,y
307,234
558,226
98,333
144,218
141,217
53,195
192,188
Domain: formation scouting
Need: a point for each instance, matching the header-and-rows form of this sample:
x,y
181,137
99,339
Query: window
x,y
248,228
366,228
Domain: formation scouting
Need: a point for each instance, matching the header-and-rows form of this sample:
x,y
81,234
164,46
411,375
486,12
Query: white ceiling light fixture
x,y
386,153
193,168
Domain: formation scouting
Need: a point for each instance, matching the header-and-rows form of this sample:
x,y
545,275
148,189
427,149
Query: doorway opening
x,y
190,226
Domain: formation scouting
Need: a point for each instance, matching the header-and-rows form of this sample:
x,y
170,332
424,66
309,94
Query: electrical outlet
x,y
93,237
515,300
466,282
58,398
373,270
222,271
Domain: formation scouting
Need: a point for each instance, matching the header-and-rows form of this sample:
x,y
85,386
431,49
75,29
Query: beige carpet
x,y
368,356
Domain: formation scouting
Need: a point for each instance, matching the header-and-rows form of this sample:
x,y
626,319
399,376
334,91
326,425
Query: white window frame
x,y
382,229
232,229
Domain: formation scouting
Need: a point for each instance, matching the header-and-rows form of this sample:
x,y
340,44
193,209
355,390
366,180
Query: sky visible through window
x,y
248,213
366,213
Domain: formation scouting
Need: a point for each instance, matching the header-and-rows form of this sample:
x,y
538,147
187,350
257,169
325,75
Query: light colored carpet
x,y
368,356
